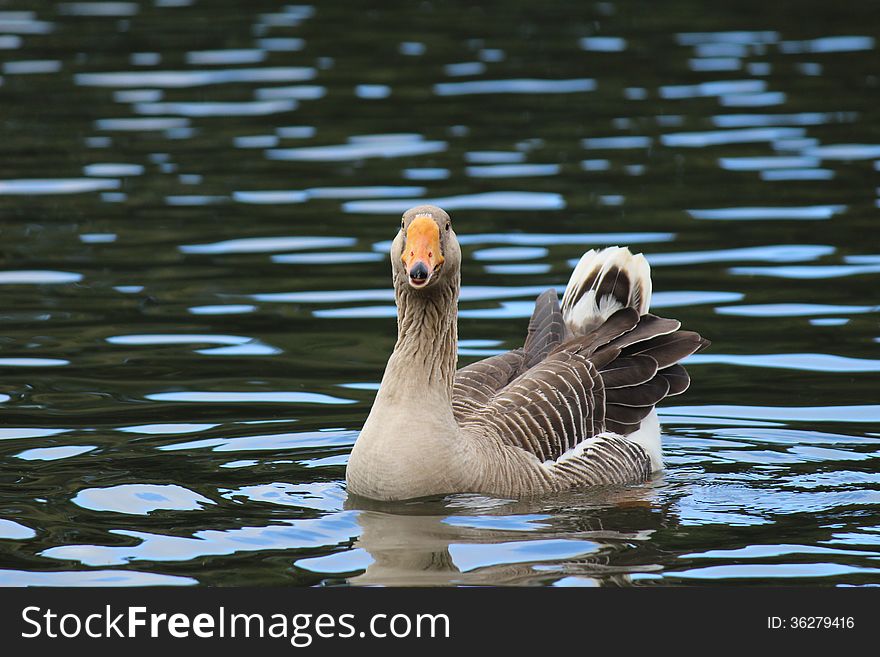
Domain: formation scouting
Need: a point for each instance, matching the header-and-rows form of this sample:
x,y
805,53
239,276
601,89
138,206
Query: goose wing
x,y
476,384
563,409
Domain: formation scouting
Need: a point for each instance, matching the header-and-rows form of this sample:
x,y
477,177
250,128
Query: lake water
x,y
196,202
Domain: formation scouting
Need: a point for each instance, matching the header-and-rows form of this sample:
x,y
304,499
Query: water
x,y
196,201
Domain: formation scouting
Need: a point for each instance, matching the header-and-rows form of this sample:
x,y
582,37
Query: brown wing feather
x,y
649,326
553,394
549,409
649,393
640,368
546,328
615,326
677,378
629,371
668,349
607,459
477,383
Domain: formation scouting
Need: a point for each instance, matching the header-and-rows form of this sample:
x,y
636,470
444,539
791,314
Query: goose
x,y
573,407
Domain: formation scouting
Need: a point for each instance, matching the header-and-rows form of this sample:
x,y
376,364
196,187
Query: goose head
x,y
425,251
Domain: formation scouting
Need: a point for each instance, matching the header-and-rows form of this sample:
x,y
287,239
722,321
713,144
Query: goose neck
x,y
425,355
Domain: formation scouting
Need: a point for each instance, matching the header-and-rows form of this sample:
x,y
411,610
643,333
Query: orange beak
x,y
421,254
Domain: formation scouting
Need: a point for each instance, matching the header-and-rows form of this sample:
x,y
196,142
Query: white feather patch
x,y
589,311
648,437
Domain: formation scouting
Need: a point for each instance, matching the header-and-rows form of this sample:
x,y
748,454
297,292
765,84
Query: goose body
x,y
573,407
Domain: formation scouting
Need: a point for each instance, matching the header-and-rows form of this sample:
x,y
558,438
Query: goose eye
x,y
402,225
447,226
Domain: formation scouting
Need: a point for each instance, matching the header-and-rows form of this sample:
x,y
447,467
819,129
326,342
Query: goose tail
x,y
602,283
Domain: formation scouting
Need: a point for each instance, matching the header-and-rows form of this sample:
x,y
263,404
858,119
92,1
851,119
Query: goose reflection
x,y
478,540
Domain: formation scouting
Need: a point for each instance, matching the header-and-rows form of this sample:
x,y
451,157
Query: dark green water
x,y
196,200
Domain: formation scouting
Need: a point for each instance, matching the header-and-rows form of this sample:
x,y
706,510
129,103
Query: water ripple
x,y
494,157
293,196
828,44
296,92
267,442
55,186
140,499
603,44
517,523
213,108
771,253
319,496
767,162
113,169
33,362
54,453
464,68
517,86
142,124
32,67
15,531
230,397
807,362
177,338
480,201
91,578
178,79
510,253
771,571
223,57
358,150
616,143
857,413
845,152
469,557
268,245
166,429
735,36
724,137
766,120
512,170
283,535
793,310
24,23
815,212
807,272
116,9
797,174
38,277
11,433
